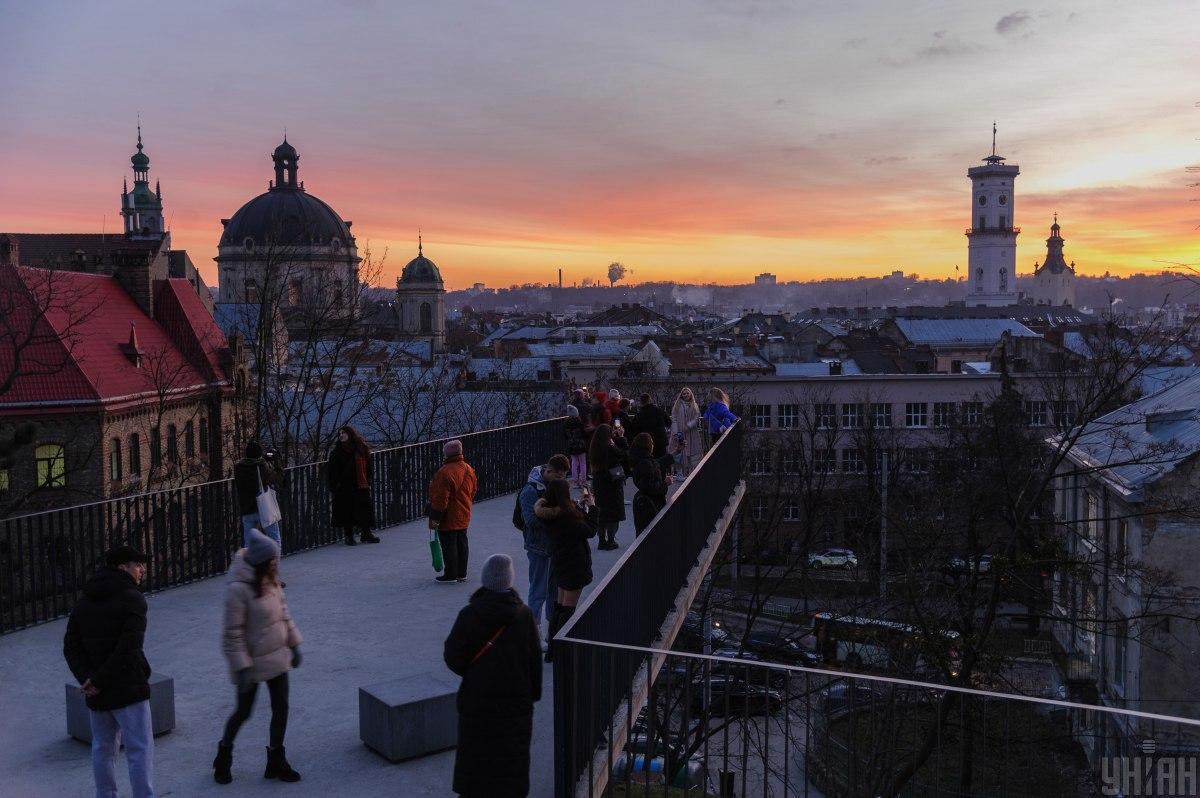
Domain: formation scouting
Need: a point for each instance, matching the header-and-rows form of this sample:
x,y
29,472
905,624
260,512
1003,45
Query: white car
x,y
833,558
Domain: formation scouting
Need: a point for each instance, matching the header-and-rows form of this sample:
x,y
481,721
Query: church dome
x,y
285,150
286,217
421,270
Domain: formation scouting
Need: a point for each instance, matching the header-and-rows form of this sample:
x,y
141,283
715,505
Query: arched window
x,y
426,317
114,460
172,444
979,279
51,462
1003,279
135,455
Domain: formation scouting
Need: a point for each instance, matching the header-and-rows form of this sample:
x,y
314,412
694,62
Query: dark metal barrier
x,y
190,533
629,606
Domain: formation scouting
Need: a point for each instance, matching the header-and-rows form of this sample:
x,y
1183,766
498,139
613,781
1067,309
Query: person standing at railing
x,y
537,541
251,476
570,526
579,401
653,420
576,446
717,413
103,648
494,647
686,444
350,472
451,497
609,464
261,644
648,478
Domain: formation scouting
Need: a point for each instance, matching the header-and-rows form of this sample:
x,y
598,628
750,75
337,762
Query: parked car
x,y
842,696
762,557
691,635
772,646
963,565
833,558
692,778
772,677
731,695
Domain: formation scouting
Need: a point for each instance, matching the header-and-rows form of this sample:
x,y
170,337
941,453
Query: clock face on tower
x,y
1003,200
983,200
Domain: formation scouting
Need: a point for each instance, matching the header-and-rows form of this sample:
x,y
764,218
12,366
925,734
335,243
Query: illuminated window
x,y
51,462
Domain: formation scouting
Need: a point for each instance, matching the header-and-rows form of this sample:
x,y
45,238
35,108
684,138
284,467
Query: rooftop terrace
x,y
368,614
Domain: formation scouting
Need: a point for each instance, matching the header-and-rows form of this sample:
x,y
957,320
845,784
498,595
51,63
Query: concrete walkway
x,y
368,614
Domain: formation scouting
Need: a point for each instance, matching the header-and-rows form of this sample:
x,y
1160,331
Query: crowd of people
x,y
496,644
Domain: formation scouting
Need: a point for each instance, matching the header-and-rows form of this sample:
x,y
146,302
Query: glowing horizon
x,y
703,144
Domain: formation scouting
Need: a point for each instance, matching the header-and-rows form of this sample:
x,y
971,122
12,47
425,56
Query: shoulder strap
x,y
488,644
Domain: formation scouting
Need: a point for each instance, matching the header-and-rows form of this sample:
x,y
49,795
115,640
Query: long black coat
x,y
651,487
653,419
570,552
609,492
352,505
245,480
495,700
104,640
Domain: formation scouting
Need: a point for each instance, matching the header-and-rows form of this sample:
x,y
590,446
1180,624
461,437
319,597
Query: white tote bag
x,y
268,504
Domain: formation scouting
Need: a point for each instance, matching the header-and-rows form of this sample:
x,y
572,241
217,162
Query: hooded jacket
x,y
104,640
537,540
495,700
259,630
452,493
570,552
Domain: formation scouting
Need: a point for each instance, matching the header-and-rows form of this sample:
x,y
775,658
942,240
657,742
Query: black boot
x,y
222,764
278,767
368,536
551,631
350,541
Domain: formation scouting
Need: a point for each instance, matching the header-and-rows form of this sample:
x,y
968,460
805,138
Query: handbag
x,y
435,551
268,503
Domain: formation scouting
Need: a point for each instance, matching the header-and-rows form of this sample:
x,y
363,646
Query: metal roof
x,y
818,368
943,332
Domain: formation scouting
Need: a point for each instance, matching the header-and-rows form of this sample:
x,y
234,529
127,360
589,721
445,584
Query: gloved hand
x,y
296,658
243,680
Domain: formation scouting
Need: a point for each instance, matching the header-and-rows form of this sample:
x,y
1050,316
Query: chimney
x,y
835,368
10,251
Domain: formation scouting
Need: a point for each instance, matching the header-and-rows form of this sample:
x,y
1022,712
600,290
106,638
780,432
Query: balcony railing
x,y
190,533
979,231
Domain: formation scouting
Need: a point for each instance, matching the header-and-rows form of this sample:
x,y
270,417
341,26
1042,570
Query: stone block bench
x,y
409,717
162,709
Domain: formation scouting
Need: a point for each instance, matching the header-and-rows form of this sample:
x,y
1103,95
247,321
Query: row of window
x,y
852,461
117,463
917,415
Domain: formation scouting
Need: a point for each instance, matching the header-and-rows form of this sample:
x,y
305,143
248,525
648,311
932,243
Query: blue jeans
x,y
542,590
130,725
251,522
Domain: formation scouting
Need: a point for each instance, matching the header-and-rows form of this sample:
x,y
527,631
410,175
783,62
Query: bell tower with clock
x,y
992,236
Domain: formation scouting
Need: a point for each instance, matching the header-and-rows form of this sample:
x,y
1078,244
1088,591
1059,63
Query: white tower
x,y
421,302
992,237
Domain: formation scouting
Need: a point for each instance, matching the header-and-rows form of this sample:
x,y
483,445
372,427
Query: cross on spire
x,y
993,137
419,245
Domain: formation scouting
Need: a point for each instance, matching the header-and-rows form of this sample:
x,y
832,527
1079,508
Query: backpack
x,y
518,516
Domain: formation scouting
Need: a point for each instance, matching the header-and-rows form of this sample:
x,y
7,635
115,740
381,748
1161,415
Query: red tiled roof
x,y
77,355
182,313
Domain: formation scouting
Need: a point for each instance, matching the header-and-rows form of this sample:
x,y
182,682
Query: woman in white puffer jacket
x,y
261,643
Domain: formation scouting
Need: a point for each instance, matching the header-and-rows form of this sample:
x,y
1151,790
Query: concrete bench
x,y
409,717
162,709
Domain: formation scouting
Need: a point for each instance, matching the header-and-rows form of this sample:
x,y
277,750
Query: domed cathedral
x,y
1054,280
421,302
288,245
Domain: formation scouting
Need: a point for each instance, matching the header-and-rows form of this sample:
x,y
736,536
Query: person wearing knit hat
x,y
251,476
577,443
261,644
451,497
494,647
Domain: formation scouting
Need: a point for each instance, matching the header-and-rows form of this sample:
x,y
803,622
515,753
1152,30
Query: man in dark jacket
x,y
494,647
103,648
654,420
537,541
251,476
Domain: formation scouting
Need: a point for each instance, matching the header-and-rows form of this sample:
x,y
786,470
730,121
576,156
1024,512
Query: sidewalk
x,y
368,614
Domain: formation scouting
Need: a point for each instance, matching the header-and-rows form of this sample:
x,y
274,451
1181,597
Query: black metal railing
x,y
630,605
190,533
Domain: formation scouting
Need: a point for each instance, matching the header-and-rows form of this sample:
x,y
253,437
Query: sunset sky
x,y
693,141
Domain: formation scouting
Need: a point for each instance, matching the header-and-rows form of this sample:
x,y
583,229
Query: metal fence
x,y
191,532
630,604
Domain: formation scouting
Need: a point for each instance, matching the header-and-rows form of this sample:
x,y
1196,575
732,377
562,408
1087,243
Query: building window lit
x,y
51,462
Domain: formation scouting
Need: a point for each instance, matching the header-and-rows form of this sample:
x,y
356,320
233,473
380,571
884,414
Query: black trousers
x,y
454,552
277,688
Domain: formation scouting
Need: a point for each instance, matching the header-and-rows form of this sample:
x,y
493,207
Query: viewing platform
x,y
368,614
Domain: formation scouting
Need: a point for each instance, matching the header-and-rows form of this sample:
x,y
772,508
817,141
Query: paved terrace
x,y
368,614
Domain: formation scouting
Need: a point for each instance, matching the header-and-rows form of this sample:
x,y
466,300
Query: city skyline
x,y
691,142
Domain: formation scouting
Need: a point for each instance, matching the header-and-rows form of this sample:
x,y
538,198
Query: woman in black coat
x,y
610,467
648,478
350,472
494,646
569,528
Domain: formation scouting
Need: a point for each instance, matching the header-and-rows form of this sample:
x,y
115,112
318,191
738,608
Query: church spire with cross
x,y
142,207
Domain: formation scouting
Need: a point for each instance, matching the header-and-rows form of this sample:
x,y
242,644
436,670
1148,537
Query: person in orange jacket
x,y
451,496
